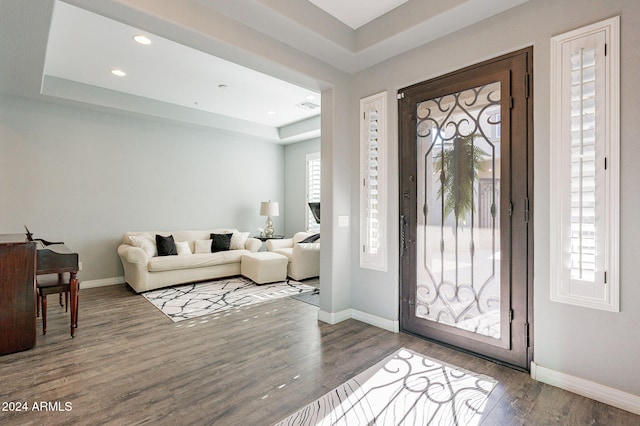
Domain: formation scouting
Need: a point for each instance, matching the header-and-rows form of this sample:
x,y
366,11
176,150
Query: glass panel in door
x,y
458,205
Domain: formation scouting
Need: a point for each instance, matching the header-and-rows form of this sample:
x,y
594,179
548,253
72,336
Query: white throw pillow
x,y
203,246
183,248
145,242
238,240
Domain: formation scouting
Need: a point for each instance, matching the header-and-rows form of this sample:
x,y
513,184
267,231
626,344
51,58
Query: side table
x,y
275,237
264,239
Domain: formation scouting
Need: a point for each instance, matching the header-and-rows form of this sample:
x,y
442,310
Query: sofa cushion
x,y
199,260
202,246
220,242
166,245
238,240
145,242
182,247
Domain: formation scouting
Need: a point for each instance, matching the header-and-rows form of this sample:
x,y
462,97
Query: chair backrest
x,y
299,236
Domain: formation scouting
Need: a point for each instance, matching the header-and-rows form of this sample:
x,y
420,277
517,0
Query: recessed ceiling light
x,y
142,39
223,86
310,98
118,72
271,112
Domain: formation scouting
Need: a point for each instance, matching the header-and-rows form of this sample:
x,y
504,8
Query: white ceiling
x,y
356,13
84,47
63,51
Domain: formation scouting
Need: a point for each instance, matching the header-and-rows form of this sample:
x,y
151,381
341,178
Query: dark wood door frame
x,y
520,201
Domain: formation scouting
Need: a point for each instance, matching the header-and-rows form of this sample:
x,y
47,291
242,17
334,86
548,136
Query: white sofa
x,y
304,258
144,271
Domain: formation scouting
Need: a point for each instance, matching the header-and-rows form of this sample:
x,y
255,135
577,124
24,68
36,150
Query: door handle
x,y
403,243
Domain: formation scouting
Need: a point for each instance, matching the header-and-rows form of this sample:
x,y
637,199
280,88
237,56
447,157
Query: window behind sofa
x,y
313,188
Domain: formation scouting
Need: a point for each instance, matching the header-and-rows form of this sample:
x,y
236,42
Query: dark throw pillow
x,y
220,242
166,246
311,239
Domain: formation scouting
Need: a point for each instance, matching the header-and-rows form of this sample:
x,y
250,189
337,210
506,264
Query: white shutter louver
x,y
584,166
372,173
583,162
371,183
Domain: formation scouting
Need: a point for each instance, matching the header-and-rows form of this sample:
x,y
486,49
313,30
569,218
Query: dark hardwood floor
x,y
129,364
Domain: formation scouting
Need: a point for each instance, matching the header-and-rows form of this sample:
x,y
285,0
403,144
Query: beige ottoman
x,y
264,267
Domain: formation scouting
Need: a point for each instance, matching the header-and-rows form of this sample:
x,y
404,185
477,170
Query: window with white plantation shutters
x,y
313,189
373,253
585,172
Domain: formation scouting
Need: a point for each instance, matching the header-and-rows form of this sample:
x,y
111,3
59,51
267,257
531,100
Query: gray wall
x,y
295,184
86,177
586,343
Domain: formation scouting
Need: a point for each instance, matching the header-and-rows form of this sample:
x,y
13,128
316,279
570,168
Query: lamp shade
x,y
269,208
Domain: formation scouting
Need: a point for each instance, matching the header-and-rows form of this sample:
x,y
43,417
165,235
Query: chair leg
x,y
38,305
74,286
66,301
44,314
75,324
60,298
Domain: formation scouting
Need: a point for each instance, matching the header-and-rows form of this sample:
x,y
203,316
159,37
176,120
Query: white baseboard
x,y
390,325
596,391
336,317
101,282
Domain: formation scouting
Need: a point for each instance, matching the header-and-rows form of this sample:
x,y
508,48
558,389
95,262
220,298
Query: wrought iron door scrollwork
x,y
459,147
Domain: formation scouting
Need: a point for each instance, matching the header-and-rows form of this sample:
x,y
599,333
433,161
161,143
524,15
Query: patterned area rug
x,y
193,300
406,388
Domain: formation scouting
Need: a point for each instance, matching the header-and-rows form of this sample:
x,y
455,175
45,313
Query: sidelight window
x,y
585,166
373,254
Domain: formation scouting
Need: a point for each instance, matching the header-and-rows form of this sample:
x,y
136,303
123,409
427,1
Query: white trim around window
x,y
585,172
373,181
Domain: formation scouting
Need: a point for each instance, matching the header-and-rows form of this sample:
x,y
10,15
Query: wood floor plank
x,y
130,364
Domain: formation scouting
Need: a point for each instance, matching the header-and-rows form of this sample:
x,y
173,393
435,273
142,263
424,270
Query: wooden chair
x,y
52,284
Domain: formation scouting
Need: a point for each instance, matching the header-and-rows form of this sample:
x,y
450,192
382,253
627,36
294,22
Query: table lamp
x,y
269,209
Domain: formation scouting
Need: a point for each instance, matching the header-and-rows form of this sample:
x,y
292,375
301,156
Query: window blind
x,y
584,173
371,184
313,189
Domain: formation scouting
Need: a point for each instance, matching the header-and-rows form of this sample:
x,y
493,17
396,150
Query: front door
x,y
466,203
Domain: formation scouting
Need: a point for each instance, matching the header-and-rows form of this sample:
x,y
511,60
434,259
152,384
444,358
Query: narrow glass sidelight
x,y
458,219
373,216
585,190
